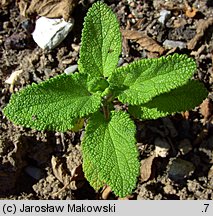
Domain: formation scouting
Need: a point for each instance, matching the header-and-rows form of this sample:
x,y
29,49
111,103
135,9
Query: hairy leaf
x,y
109,146
101,42
54,104
144,79
92,172
97,84
181,99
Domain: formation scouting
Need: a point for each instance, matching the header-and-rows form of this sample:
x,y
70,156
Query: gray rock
x,y
180,169
34,172
120,62
169,44
164,16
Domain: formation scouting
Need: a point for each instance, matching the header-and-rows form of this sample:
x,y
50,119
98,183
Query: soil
x,y
36,165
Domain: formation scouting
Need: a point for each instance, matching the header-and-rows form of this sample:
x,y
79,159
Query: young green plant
x,y
151,88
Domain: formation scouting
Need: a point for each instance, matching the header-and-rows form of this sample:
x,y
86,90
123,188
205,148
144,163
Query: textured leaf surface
x,y
181,99
147,78
92,172
109,146
54,104
97,84
101,41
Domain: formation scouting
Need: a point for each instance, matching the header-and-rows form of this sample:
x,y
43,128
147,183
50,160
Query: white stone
x,y
71,69
49,33
13,77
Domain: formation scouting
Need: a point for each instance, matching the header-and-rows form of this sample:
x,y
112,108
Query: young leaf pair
x,y
152,88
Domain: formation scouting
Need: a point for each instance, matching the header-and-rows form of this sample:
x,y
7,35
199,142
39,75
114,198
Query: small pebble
x,y
34,172
71,69
13,77
164,16
169,44
120,62
162,147
75,47
180,169
6,24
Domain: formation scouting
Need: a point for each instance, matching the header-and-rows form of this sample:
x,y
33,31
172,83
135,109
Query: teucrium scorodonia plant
x,y
151,88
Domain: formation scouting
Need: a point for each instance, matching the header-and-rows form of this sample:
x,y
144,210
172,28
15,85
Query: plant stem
x,y
106,111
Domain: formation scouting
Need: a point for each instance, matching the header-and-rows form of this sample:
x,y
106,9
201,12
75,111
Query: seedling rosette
x,y
152,88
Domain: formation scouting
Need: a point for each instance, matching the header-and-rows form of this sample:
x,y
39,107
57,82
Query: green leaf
x,y
181,99
144,79
101,42
78,125
109,146
92,173
55,104
97,84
